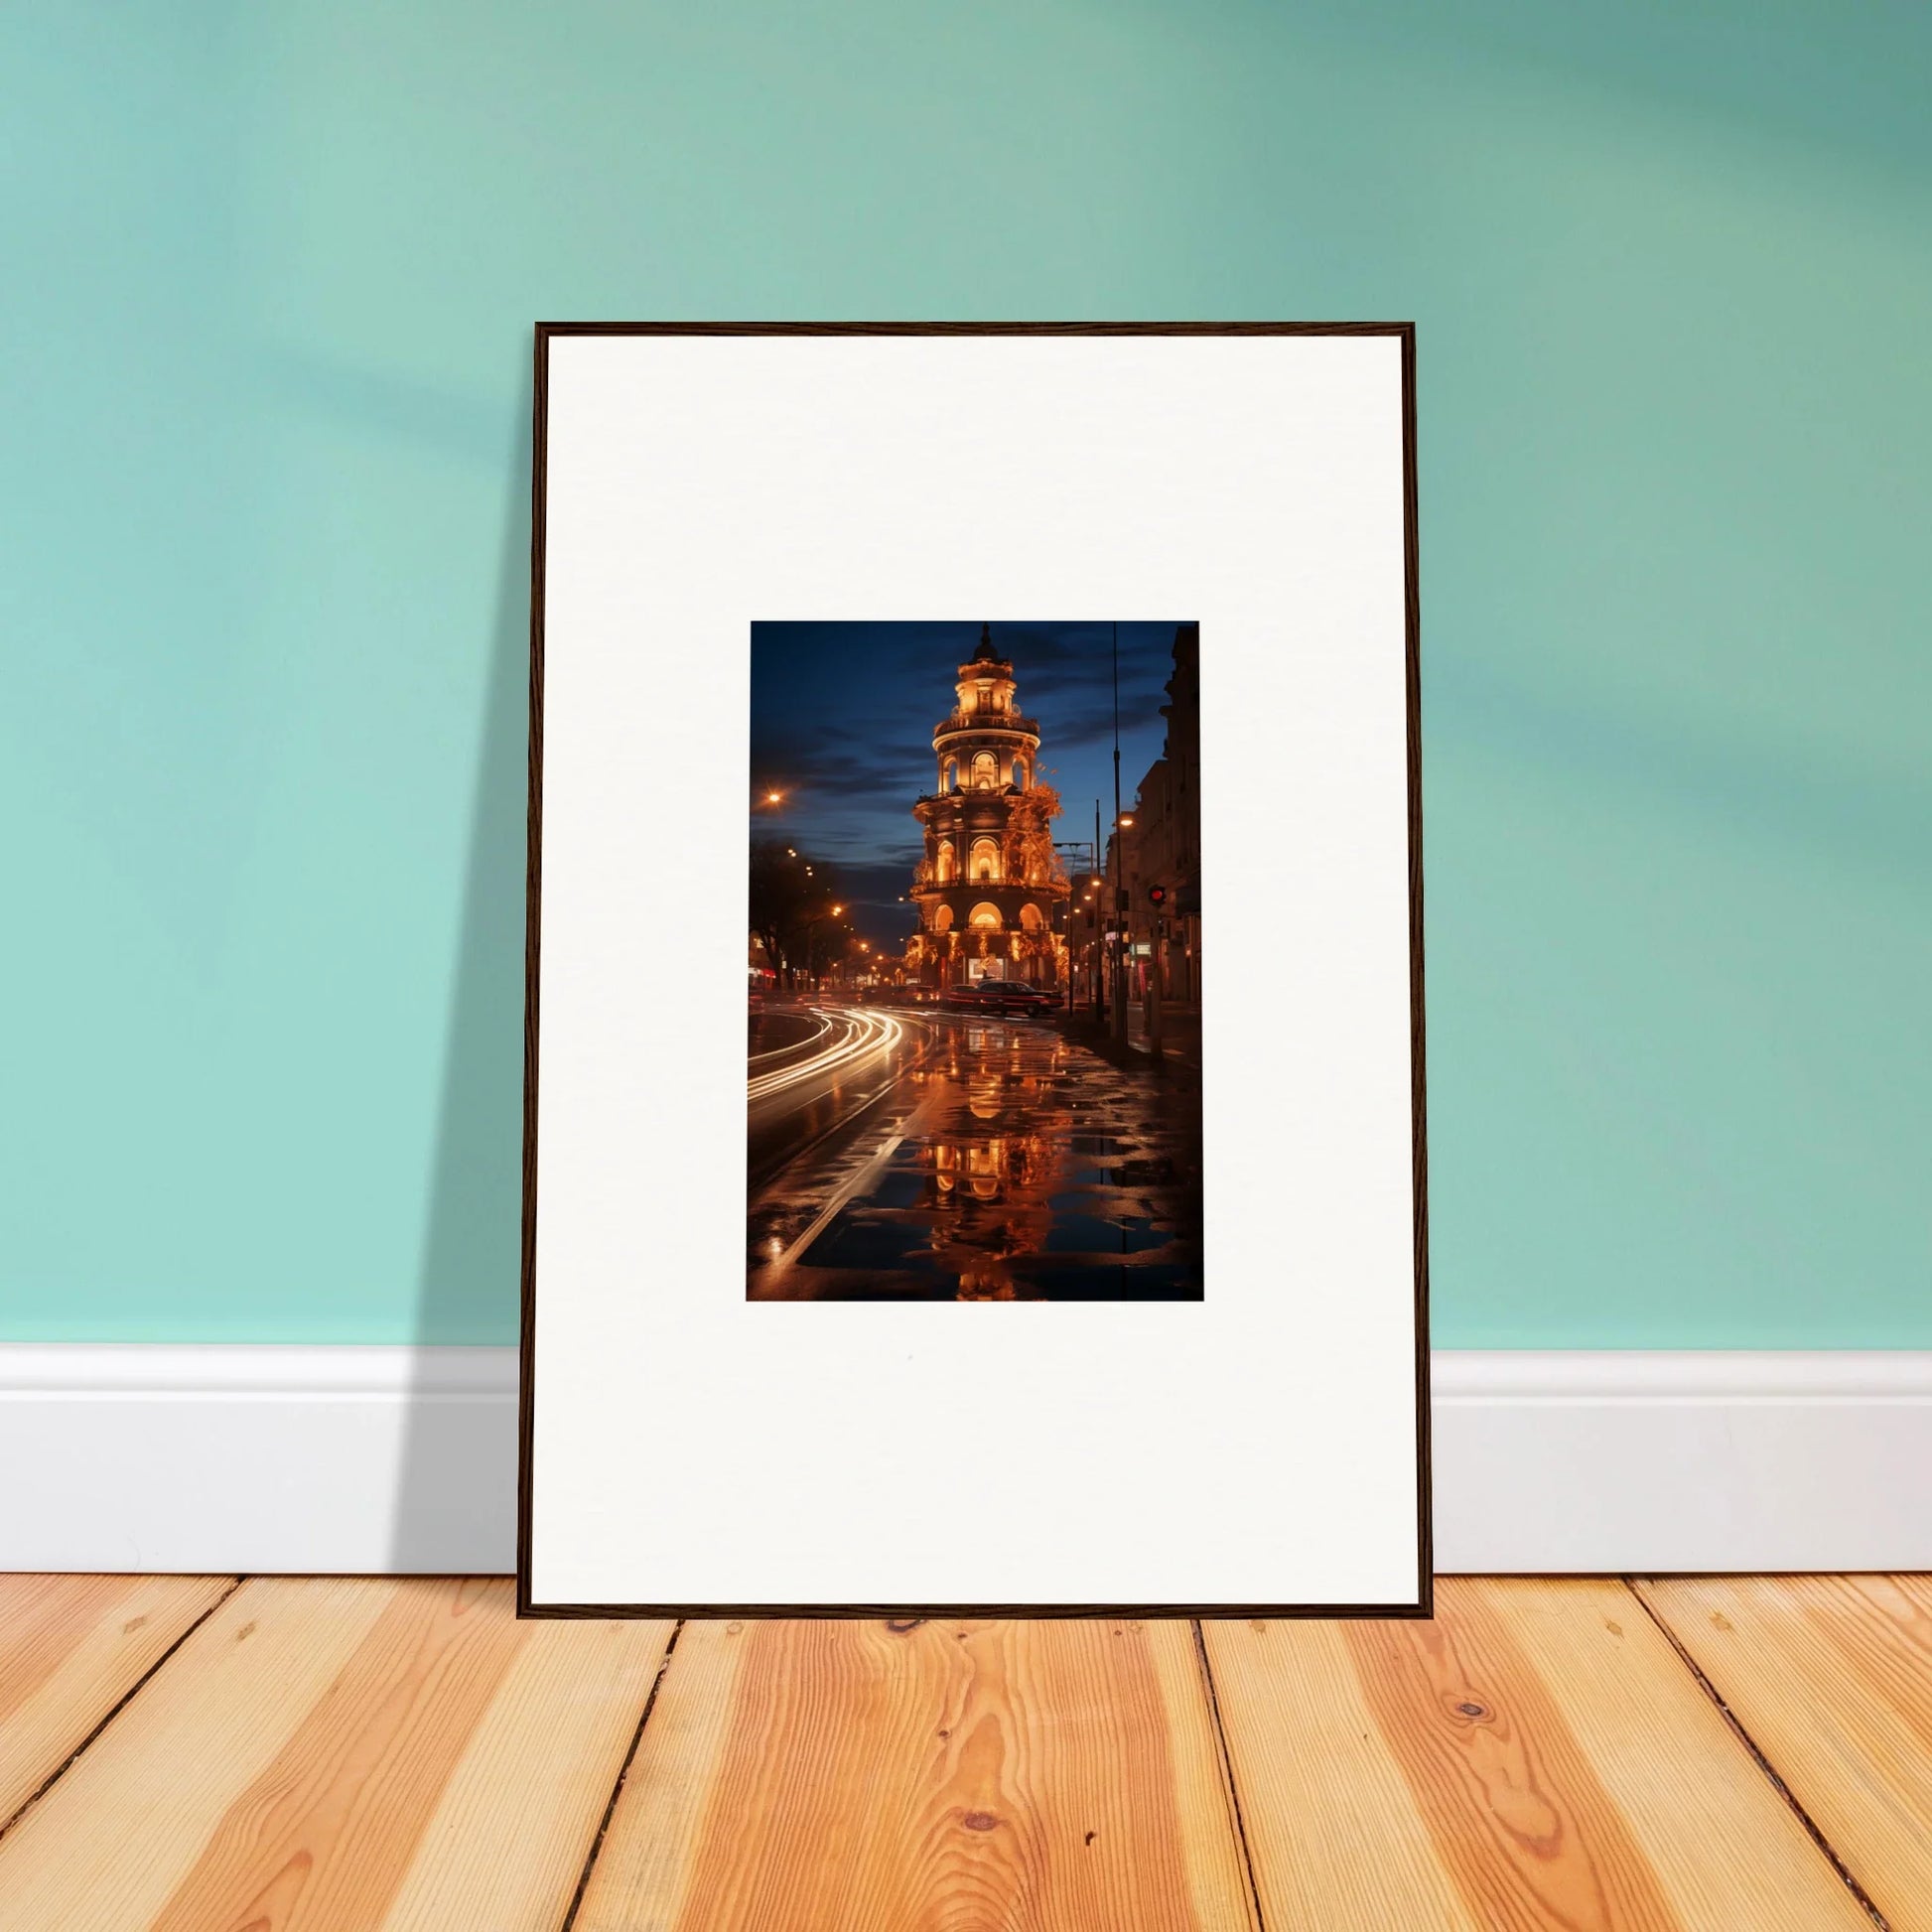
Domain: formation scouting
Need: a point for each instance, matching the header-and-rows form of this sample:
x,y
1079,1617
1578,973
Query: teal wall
x,y
269,276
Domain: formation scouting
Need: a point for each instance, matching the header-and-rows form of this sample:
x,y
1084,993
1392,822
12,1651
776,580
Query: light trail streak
x,y
778,1052
860,1037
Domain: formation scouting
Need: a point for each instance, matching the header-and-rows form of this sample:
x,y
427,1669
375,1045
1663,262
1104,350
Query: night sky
x,y
842,717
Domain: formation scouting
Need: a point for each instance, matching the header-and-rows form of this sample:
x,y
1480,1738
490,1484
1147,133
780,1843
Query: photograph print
x,y
974,962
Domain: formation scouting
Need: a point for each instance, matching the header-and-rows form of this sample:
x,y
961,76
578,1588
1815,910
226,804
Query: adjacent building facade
x,y
1162,845
989,883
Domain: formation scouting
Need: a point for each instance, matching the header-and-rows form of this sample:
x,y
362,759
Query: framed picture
x,y
973,1144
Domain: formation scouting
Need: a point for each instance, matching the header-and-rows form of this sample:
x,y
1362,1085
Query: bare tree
x,y
791,903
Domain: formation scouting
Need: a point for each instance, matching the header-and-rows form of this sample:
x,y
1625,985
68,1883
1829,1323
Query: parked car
x,y
1006,996
1037,999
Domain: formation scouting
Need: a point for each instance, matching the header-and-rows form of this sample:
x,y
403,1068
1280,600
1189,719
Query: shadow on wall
x,y
456,1492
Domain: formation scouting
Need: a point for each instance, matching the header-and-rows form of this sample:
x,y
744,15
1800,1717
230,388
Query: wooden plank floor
x,y
205,1754
1831,1679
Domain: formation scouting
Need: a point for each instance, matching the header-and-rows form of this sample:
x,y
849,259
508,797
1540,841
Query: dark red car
x,y
1006,996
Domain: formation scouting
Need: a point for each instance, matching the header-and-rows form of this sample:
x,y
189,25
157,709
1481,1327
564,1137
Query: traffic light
x,y
1157,896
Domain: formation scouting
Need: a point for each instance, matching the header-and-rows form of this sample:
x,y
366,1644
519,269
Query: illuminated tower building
x,y
989,883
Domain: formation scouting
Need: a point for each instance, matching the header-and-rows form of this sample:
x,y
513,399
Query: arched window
x,y
949,776
984,862
943,866
1020,774
983,1166
986,771
986,917
942,918
1031,917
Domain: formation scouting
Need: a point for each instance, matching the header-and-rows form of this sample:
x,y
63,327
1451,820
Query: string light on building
x,y
990,879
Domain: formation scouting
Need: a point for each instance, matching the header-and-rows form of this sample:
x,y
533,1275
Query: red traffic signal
x,y
1157,896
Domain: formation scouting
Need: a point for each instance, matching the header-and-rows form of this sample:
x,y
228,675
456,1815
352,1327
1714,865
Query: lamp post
x,y
806,928
1092,871
1096,913
1099,926
1122,822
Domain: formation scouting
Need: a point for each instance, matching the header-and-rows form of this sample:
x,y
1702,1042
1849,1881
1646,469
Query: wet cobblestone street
x,y
1005,1163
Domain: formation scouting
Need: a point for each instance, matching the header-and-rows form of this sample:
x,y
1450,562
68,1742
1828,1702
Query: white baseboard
x,y
344,1460
307,1459
1629,1461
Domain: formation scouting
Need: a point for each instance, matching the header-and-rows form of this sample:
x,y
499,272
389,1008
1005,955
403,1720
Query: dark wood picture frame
x,y
1422,1606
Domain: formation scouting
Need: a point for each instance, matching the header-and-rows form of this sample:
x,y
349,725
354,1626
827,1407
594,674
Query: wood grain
x,y
70,1649
925,1776
1832,1677
1537,1758
343,1753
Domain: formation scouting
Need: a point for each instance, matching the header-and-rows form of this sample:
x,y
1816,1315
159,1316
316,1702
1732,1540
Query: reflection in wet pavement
x,y
1009,1165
